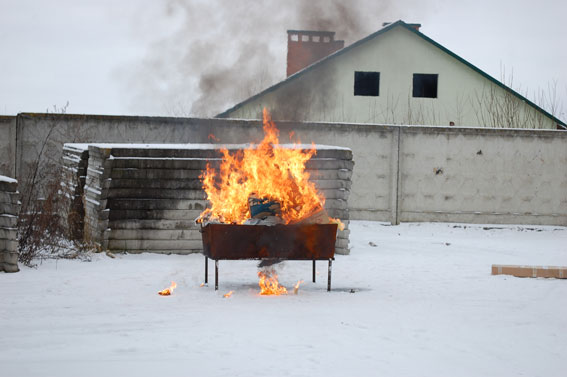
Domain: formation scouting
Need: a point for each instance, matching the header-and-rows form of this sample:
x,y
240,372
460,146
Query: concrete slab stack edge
x,y
9,210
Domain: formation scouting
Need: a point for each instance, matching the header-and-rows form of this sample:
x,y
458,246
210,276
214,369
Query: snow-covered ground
x,y
424,304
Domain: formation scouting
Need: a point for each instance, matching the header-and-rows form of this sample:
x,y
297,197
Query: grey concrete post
x,y
395,177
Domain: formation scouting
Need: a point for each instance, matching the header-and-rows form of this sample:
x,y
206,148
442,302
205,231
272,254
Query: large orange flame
x,y
266,170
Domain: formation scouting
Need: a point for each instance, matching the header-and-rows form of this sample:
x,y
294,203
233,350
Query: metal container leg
x,y
329,276
216,275
314,271
206,270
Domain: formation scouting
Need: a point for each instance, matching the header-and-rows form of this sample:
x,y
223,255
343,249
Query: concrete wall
x,y
325,92
401,173
7,145
473,175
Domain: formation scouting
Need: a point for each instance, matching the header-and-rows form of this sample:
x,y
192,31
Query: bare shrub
x,y
46,204
39,226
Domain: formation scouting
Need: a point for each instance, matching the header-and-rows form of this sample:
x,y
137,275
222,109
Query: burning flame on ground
x,y
266,170
269,284
227,295
168,291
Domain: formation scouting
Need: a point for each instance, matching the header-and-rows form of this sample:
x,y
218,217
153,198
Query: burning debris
x,y
265,184
263,211
168,291
227,295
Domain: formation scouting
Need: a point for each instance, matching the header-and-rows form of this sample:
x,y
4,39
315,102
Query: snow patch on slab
x,y
3,178
85,146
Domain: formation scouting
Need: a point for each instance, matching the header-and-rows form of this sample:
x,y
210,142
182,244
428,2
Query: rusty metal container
x,y
294,242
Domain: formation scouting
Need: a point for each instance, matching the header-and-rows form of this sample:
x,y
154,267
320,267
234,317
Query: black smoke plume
x,y
226,51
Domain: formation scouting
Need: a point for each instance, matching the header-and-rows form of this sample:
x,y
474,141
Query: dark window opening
x,y
367,84
425,85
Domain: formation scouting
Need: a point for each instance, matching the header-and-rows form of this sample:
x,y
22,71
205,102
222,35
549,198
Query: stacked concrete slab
x,y
75,162
9,210
145,198
331,171
95,196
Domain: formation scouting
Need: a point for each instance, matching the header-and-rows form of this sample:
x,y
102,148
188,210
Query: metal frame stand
x,y
217,273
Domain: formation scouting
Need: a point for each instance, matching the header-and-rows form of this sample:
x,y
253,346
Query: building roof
x,y
411,28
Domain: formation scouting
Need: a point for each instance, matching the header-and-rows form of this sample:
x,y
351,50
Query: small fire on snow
x,y
168,291
269,284
227,295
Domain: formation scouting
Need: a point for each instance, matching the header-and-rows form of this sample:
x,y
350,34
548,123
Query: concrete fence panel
x,y
477,175
8,146
402,173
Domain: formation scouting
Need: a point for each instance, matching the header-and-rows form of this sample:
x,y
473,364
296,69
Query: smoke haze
x,y
222,52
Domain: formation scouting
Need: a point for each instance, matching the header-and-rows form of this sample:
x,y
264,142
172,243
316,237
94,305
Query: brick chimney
x,y
305,47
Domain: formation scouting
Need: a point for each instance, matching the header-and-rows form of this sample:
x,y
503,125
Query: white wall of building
x,y
326,92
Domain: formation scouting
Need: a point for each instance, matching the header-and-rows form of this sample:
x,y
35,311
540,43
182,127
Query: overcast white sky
x,y
152,57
